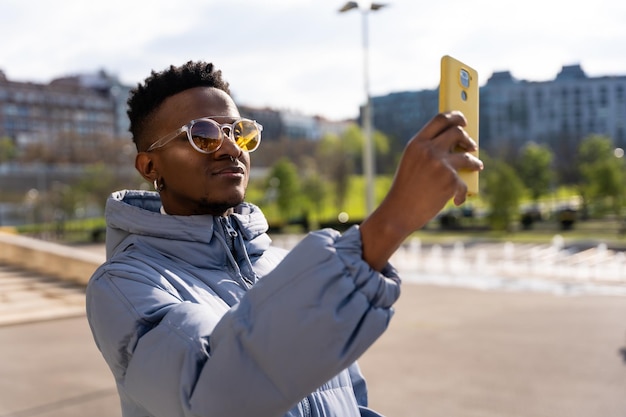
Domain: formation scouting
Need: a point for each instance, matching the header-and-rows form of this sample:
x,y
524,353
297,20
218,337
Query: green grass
x,y
609,231
587,232
71,231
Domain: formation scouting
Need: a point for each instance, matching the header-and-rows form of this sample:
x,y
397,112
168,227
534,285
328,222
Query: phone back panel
x,y
459,90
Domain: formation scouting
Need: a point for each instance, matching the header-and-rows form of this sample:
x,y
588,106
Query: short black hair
x,y
147,97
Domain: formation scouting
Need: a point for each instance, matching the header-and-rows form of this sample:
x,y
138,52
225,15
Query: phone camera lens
x,y
464,78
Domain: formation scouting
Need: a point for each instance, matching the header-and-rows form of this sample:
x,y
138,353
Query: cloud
x,y
304,54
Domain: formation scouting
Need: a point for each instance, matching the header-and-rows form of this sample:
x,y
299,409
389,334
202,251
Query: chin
x,y
219,208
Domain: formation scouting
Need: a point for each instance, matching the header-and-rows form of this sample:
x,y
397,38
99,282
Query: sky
x,y
305,56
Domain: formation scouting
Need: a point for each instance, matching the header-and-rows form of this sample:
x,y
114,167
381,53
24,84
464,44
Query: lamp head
x,y
363,5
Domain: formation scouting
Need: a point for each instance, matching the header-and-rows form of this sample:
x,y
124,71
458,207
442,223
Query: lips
x,y
231,170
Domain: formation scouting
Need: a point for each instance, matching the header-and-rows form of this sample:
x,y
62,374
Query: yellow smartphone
x,y
458,90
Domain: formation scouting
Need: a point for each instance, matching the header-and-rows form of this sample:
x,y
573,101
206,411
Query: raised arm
x,y
426,179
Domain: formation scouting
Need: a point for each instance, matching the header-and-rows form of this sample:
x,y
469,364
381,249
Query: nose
x,y
229,146
227,130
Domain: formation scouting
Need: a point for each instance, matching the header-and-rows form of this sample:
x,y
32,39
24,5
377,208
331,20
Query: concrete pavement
x,y
467,353
448,352
27,296
52,368
49,364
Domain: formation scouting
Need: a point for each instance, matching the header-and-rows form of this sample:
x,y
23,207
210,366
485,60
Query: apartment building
x,y
558,112
95,104
76,106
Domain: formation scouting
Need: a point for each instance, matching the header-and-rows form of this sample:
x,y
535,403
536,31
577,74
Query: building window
x,y
577,96
10,110
591,127
604,97
538,99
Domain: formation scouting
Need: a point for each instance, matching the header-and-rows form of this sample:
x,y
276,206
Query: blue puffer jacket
x,y
189,328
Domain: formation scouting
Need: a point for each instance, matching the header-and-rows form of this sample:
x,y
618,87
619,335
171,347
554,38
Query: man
x,y
197,314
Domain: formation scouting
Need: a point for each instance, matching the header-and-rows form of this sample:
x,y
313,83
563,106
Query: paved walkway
x,y
448,352
27,297
455,352
52,368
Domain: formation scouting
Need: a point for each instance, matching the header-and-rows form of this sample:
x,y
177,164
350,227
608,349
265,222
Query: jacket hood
x,y
137,212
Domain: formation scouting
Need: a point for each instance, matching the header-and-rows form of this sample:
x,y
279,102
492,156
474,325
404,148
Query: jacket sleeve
x,y
303,323
310,318
359,387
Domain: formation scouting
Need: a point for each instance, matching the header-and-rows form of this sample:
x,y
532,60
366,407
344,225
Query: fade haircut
x,y
145,99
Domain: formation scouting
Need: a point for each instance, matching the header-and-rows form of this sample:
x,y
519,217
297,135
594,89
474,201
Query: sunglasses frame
x,y
221,126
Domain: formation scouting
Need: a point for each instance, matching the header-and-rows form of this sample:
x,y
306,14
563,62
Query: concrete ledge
x,y
63,262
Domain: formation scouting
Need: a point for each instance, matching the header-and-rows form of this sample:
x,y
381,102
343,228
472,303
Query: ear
x,y
145,165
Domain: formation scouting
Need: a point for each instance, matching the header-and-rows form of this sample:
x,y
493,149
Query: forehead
x,y
194,103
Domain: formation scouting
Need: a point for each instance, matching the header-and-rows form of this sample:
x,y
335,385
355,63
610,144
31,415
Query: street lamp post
x,y
369,168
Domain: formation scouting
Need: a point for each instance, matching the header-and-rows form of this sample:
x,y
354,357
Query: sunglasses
x,y
206,135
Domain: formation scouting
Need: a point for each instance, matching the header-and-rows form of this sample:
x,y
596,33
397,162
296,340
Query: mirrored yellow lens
x,y
246,135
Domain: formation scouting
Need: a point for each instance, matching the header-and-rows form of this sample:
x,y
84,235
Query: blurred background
x,y
552,105
340,88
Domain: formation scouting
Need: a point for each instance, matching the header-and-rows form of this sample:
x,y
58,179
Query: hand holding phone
x,y
458,90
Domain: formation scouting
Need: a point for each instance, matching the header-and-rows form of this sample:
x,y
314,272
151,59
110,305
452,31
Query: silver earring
x,y
158,187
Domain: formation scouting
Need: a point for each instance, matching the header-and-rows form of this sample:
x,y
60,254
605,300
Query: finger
x,y
461,194
465,161
455,139
440,123
467,144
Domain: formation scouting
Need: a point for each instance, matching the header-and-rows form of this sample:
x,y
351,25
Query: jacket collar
x,y
138,212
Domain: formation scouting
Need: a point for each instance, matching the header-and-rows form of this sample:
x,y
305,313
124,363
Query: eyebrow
x,y
216,118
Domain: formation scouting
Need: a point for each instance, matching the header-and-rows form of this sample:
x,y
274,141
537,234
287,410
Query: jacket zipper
x,y
306,407
231,234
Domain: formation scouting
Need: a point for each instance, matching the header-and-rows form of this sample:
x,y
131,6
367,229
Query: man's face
x,y
193,182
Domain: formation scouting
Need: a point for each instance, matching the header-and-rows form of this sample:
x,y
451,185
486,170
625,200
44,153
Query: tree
x,y
8,150
602,173
284,180
382,149
96,184
534,168
503,190
315,190
340,155
71,148
337,156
